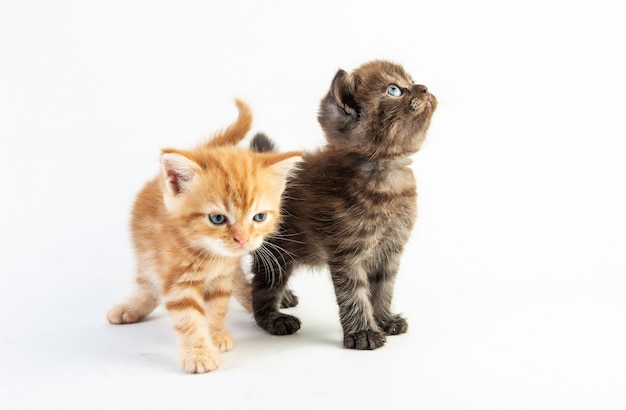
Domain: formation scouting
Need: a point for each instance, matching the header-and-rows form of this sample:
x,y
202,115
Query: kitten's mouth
x,y
240,250
427,101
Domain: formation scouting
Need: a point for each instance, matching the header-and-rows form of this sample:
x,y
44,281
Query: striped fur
x,y
190,263
351,205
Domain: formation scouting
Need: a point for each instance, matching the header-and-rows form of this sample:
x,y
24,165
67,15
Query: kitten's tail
x,y
261,143
237,130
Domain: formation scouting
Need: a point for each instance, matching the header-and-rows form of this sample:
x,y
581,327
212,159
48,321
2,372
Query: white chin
x,y
228,251
231,253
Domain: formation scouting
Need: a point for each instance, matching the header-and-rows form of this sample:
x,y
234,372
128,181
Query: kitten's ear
x,y
283,163
178,171
342,90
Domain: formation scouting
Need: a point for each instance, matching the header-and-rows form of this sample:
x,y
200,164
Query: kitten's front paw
x,y
396,325
223,340
289,300
200,360
122,314
364,340
280,324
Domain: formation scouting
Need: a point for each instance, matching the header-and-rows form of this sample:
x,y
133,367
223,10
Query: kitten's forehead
x,y
385,72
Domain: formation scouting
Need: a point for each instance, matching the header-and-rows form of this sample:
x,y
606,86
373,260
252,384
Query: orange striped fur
x,y
190,262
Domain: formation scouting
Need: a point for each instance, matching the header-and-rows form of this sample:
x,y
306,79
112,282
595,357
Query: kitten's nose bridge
x,y
240,236
420,89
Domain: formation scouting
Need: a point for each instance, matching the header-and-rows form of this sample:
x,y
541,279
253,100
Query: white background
x,y
513,282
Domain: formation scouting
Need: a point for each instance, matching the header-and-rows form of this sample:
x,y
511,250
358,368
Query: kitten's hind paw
x,y
280,324
396,325
199,360
364,340
289,300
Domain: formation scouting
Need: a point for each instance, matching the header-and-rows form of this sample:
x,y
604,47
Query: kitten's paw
x,y
223,340
122,314
364,340
289,300
396,325
200,360
280,324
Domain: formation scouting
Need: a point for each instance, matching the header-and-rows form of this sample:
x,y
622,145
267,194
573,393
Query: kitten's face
x,y
231,203
377,111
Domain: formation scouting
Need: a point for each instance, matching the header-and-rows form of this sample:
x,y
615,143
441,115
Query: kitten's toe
x,y
122,314
200,360
289,300
396,325
364,340
281,324
223,339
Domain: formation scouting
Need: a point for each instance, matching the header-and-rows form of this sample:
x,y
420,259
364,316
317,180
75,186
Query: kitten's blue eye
x,y
394,91
259,217
217,219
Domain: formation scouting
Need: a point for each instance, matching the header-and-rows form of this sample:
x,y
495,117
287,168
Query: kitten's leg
x,y
217,299
272,270
289,299
242,289
184,302
242,292
138,306
382,286
360,330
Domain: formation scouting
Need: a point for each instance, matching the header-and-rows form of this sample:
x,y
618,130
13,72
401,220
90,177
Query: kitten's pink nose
x,y
240,239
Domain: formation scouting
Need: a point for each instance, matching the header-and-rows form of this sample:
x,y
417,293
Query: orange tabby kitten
x,y
190,228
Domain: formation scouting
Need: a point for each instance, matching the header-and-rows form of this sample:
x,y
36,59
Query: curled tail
x,y
261,143
237,130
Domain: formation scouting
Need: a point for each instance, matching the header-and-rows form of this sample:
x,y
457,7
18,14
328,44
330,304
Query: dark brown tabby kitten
x,y
350,205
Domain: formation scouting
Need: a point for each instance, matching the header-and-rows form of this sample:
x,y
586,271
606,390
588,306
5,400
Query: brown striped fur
x,y
351,205
189,262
